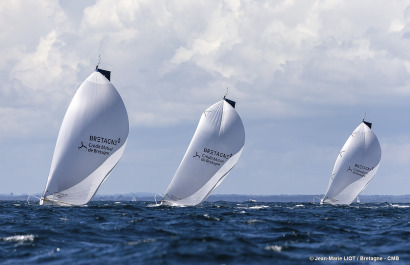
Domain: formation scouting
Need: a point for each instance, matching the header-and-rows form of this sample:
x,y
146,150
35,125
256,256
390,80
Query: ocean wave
x,y
399,206
19,239
210,233
255,207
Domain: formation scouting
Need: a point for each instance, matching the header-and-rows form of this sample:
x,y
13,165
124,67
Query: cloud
x,y
40,69
322,51
282,58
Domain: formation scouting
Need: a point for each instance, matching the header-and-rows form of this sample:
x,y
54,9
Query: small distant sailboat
x,y
355,166
214,150
91,141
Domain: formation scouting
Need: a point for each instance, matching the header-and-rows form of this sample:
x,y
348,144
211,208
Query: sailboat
x,y
355,166
91,141
214,150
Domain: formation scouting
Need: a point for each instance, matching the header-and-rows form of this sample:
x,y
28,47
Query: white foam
x,y
19,238
252,221
148,240
400,206
256,207
259,207
274,248
211,218
296,206
154,205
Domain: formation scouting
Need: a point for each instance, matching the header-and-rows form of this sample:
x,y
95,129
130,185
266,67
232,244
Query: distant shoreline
x,y
139,196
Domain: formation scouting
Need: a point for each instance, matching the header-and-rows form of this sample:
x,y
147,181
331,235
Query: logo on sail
x,y
98,145
82,146
103,140
360,170
212,157
217,153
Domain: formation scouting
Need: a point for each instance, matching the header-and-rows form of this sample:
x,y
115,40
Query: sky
x,y
303,73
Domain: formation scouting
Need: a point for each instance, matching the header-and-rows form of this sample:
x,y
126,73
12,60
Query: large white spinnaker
x,y
214,150
355,166
92,139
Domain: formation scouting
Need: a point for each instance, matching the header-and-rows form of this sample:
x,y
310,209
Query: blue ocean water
x,y
211,233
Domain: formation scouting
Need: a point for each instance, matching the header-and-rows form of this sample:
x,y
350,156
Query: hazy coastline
x,y
144,196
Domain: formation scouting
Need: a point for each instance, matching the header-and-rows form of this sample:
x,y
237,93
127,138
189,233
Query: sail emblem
x,y
82,145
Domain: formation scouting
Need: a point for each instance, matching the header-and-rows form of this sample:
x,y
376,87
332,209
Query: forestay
x,y
92,139
214,150
355,166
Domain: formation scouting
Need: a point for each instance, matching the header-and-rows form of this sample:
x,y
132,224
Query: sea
x,y
220,232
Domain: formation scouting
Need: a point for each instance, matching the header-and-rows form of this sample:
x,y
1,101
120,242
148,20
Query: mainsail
x,y
214,150
92,138
355,166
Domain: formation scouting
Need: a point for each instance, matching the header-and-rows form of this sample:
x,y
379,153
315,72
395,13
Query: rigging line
x,y
227,90
155,198
31,195
316,197
99,61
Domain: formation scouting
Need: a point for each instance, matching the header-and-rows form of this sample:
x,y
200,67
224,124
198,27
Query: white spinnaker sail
x,y
214,150
355,166
91,141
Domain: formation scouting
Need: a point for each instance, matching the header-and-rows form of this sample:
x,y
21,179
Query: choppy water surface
x,y
212,233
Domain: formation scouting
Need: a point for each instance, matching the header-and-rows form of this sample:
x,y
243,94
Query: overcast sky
x,y
303,74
